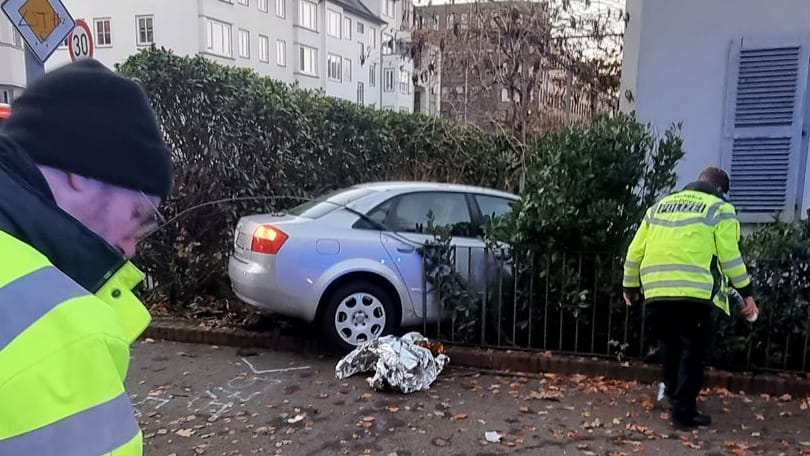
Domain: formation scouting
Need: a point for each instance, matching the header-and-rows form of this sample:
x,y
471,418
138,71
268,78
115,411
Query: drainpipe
x,y
382,70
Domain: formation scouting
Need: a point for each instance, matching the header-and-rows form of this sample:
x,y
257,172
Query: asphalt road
x,y
199,399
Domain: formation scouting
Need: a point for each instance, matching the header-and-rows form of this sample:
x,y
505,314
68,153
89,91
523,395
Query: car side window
x,y
493,206
410,213
380,213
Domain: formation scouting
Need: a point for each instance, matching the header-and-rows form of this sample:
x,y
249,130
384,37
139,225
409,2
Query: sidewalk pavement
x,y
209,400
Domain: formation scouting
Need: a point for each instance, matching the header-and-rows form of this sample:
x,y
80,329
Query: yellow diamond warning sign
x,y
43,24
40,16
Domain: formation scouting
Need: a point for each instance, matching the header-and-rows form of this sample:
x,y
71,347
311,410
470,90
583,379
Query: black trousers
x,y
684,330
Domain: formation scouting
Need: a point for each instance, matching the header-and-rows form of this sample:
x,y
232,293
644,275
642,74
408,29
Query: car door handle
x,y
405,248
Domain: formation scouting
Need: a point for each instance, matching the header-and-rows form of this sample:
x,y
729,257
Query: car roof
x,y
400,186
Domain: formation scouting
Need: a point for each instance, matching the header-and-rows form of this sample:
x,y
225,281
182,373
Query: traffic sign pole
x,y
34,69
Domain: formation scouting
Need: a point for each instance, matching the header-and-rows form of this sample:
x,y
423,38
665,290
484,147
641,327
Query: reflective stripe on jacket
x,y
64,355
685,245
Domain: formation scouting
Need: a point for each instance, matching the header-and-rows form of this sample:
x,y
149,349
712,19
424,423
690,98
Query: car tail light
x,y
268,239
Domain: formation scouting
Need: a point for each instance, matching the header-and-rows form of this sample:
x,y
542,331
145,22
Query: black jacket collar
x,y
29,212
705,187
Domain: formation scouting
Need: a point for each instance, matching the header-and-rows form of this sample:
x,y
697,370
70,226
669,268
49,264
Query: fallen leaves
x,y
393,408
640,428
185,432
546,395
366,422
459,416
296,419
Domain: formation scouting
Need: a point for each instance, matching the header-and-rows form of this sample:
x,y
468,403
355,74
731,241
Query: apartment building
x,y
338,46
12,62
474,95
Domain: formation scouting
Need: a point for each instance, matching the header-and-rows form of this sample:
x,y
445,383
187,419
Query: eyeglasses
x,y
155,222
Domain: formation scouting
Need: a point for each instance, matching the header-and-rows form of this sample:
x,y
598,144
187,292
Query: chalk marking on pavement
x,y
273,371
161,401
249,381
214,407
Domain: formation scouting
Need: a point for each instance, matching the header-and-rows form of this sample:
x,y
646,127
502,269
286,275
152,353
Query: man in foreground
x,y
83,167
680,258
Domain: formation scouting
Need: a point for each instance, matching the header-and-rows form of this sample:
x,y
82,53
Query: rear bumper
x,y
258,286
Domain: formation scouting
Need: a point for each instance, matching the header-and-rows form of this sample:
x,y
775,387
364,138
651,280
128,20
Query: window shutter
x,y
764,120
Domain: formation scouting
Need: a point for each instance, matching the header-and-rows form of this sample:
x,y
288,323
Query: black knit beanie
x,y
85,119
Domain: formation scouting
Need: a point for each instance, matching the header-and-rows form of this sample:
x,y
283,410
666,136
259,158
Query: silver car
x,y
351,260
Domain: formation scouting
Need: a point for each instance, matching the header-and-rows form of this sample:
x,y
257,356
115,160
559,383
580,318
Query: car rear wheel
x,y
359,312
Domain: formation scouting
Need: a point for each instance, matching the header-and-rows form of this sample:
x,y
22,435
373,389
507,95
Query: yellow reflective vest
x,y
687,247
64,355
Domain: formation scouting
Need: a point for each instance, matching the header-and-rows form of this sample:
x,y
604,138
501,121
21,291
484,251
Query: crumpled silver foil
x,y
398,363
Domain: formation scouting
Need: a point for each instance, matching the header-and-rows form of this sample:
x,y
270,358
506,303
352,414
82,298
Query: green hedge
x,y
236,135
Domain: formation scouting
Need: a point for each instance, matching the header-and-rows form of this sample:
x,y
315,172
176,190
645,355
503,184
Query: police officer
x,y
83,167
681,257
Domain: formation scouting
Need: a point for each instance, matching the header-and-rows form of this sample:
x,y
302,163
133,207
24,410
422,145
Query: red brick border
x,y
490,359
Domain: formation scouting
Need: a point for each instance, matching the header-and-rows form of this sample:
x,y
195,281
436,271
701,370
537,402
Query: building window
x,y
308,60
360,28
281,8
333,23
333,69
263,6
388,8
244,2
347,70
244,44
308,15
435,22
372,74
362,52
372,37
347,28
281,53
450,20
103,32
360,93
404,109
388,44
404,81
146,30
388,80
264,49
219,38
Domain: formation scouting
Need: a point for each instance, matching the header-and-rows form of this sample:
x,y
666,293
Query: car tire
x,y
358,312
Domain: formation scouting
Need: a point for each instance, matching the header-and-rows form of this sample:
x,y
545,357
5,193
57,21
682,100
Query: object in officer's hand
x,y
738,299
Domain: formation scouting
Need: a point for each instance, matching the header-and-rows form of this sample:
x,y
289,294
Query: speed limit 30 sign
x,y
80,41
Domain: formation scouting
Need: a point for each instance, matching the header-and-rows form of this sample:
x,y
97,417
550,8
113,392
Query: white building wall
x,y
12,61
676,62
175,27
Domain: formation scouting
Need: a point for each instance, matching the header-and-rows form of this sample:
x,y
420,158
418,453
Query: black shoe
x,y
696,420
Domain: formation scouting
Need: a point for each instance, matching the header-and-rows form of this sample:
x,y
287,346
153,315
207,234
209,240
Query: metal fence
x,y
572,303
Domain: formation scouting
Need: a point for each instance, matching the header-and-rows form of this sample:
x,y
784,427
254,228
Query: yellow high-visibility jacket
x,y
686,248
67,319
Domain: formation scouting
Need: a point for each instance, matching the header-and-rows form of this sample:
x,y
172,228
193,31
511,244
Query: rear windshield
x,y
329,202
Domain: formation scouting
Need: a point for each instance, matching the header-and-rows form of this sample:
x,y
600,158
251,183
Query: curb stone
x,y
486,358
